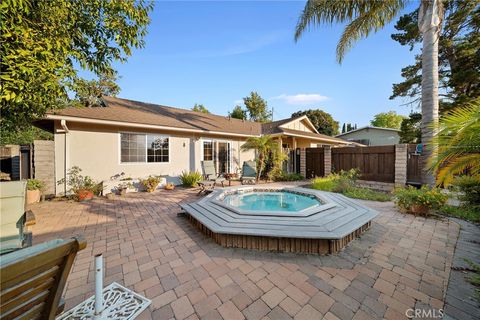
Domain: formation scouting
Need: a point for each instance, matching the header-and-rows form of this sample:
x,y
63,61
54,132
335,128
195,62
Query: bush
x,y
411,198
150,183
284,176
344,183
34,184
470,187
470,213
190,179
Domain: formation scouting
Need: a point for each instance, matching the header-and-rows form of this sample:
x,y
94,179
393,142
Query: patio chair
x,y
249,172
13,216
210,174
32,279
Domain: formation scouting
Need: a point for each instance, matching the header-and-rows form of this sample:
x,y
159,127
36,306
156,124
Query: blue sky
x,y
216,52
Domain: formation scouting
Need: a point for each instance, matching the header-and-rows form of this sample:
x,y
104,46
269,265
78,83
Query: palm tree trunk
x,y
429,24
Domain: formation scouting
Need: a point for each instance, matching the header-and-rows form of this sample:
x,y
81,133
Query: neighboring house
x,y
372,136
142,139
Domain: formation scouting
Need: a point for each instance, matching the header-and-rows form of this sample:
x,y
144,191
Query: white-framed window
x,y
143,148
208,151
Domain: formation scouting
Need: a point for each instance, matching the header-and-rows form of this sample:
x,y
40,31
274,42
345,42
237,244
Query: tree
x,y
458,143
200,108
459,61
238,113
88,93
263,145
323,121
388,119
257,108
410,129
344,128
24,136
44,43
362,18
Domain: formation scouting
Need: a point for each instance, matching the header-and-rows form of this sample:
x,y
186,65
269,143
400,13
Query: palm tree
x,y
363,17
263,145
458,143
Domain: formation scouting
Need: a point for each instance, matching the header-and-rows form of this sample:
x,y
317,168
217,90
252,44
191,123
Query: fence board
x,y
375,163
315,162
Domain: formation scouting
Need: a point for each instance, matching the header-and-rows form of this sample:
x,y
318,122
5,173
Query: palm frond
x,y
362,17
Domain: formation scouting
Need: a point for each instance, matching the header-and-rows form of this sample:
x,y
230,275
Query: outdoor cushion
x,y
249,171
12,215
210,173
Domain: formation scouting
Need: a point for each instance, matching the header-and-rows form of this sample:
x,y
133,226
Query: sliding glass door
x,y
223,157
219,152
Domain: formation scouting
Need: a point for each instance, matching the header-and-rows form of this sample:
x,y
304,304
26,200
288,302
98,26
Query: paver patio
x,y
402,262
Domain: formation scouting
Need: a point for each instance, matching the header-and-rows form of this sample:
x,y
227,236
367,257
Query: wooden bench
x,y
32,279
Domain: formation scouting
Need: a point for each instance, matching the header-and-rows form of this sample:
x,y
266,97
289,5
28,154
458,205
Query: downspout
x,y
63,124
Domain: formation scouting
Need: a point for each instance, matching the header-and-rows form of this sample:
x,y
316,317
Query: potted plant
x,y
151,183
82,187
34,190
419,201
124,185
169,186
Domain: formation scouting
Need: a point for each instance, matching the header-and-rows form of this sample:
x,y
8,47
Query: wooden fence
x,y
375,163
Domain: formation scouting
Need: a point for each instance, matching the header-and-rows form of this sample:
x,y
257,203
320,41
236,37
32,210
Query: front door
x,y
223,157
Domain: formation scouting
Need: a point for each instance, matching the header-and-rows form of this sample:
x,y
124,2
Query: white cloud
x,y
301,98
238,101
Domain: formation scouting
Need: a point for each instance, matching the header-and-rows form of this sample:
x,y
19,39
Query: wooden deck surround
x,y
325,230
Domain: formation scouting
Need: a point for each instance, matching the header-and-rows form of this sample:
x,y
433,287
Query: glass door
x,y
223,157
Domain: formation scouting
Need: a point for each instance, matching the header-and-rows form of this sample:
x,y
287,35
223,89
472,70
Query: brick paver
x,y
401,262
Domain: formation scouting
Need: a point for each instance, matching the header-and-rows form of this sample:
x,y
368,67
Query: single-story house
x,y
372,136
142,139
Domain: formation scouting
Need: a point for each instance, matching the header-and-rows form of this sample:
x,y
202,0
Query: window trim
x,y
120,162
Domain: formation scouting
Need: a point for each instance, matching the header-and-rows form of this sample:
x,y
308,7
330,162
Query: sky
x,y
217,52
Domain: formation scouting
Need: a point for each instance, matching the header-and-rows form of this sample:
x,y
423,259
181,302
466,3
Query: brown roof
x,y
131,111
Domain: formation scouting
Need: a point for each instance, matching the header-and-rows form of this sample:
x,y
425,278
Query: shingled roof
x,y
137,112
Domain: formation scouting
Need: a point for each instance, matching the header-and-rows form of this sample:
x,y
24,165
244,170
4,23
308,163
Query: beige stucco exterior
x,y
96,150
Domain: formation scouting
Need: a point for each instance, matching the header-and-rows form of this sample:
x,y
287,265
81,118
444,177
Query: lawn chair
x,y
14,219
32,279
210,176
249,172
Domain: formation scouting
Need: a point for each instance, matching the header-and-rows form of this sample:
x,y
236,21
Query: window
x,y
136,147
157,148
208,150
132,147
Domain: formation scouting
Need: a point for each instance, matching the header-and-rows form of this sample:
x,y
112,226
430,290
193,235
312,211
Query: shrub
x,y
284,176
411,199
325,184
150,183
470,187
190,179
34,184
366,194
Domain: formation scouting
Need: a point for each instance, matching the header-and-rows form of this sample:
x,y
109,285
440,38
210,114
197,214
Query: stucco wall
x,y
96,150
376,137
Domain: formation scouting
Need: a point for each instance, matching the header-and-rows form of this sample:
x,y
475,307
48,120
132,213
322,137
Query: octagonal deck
x,y
326,229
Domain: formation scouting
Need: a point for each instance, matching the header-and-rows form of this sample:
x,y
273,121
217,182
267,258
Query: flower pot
x,y
419,209
169,186
33,196
122,191
84,195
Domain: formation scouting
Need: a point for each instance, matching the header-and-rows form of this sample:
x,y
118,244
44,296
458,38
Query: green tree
x,y
24,136
362,18
458,143
388,119
200,108
459,61
43,43
263,145
257,108
410,131
88,93
323,121
238,113
344,128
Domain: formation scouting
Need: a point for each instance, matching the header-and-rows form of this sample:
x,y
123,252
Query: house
x,y
372,136
142,139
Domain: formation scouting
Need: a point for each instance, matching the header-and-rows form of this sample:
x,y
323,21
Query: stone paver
x,y
401,262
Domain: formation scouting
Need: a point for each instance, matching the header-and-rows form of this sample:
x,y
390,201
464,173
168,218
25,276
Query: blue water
x,y
271,201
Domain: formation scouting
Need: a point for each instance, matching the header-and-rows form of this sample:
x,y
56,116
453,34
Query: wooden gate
x,y
414,166
375,163
315,162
